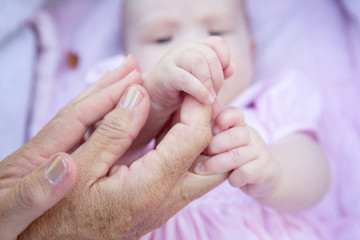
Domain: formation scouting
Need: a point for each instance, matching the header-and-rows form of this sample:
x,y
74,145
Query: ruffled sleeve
x,y
288,104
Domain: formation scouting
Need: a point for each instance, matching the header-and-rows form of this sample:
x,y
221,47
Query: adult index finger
x,y
181,146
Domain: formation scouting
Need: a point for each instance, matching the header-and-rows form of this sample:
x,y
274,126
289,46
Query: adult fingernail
x,y
199,168
128,57
56,171
131,98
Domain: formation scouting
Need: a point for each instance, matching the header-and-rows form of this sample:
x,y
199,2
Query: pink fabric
x,y
90,30
276,108
281,106
322,40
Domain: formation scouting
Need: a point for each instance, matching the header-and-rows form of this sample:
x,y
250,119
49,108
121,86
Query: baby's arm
x,y
292,175
305,174
195,67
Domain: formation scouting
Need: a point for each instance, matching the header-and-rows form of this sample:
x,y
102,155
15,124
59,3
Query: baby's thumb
x,y
36,193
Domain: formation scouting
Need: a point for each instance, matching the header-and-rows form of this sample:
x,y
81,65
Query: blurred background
x,y
48,47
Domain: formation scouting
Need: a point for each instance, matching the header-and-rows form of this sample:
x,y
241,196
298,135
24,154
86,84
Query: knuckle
x,y
69,111
207,81
75,112
66,111
184,78
213,59
234,156
247,172
113,129
252,134
237,178
30,193
197,59
187,55
193,57
236,136
254,173
202,136
243,135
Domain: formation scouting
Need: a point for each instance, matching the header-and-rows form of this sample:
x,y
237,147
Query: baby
x,y
273,156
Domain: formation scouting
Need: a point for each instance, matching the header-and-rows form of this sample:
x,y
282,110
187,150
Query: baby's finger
x,y
230,139
228,118
215,109
249,173
227,161
214,65
187,82
229,71
222,50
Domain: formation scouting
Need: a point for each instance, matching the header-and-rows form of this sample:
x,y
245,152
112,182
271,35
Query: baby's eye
x,y
163,40
216,33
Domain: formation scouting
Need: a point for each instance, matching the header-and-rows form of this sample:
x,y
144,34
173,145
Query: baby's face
x,y
152,27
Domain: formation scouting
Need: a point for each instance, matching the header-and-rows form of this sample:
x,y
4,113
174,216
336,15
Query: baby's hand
x,y
239,148
195,67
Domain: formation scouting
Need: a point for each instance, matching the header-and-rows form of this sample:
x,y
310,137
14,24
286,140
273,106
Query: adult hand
x,y
119,202
34,178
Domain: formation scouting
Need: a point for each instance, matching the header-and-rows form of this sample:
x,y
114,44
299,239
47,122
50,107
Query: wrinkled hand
x,y
129,202
238,148
34,178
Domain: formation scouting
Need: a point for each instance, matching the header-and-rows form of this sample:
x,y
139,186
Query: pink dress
x,y
277,107
321,39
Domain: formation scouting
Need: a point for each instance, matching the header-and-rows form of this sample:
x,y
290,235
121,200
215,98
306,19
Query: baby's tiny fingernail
x,y
211,99
199,168
215,130
213,95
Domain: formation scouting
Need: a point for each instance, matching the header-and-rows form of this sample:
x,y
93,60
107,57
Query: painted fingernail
x,y
131,98
199,169
56,171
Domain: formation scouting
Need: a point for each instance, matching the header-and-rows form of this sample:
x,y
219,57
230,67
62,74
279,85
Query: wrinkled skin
x,y
130,201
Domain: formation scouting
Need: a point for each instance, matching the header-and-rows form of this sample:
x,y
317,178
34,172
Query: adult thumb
x,y
36,193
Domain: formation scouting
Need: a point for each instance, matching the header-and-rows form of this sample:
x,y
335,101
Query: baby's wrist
x,y
272,188
159,110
